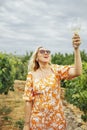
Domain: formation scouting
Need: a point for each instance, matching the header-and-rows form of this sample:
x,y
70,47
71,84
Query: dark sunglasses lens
x,y
43,51
48,52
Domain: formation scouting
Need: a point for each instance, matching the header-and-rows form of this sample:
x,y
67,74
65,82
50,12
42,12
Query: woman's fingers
x,y
76,41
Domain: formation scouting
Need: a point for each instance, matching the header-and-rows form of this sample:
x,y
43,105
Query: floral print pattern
x,y
47,111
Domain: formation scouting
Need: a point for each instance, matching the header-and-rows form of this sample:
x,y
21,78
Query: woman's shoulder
x,y
55,65
33,74
29,75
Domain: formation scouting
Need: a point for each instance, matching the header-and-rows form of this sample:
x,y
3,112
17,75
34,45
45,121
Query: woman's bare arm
x,y
77,69
28,109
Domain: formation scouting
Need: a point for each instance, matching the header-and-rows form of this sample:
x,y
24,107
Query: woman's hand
x,y
76,41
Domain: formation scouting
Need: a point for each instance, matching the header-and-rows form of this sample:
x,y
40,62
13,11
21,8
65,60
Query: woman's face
x,y
43,55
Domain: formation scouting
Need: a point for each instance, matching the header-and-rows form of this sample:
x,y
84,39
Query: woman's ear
x,y
37,59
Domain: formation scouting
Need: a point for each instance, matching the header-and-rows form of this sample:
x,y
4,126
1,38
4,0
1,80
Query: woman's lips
x,y
45,56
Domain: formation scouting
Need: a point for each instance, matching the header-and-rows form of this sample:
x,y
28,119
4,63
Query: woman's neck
x,y
44,66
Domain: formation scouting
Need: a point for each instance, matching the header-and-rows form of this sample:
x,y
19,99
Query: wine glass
x,y
76,25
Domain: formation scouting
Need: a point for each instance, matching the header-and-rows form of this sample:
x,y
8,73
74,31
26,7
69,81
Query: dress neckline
x,y
44,78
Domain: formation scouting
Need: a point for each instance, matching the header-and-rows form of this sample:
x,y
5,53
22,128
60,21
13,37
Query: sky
x,y
27,24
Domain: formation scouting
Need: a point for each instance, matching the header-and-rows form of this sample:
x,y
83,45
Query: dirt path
x,y
14,101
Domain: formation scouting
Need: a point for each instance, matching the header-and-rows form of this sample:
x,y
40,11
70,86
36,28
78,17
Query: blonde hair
x,y
33,63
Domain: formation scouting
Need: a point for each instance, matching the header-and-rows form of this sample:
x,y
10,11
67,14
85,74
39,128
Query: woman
x,y
43,106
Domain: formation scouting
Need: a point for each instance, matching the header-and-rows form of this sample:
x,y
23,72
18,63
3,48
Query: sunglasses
x,y
45,51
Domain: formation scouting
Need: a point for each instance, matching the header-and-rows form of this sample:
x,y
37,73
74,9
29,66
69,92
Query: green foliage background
x,y
6,74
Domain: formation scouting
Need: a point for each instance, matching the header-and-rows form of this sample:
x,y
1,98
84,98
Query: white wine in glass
x,y
76,26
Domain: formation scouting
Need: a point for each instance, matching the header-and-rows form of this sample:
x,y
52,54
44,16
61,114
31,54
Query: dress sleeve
x,y
28,92
62,72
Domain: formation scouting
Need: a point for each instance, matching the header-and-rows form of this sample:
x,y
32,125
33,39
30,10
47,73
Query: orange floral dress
x,y
47,111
